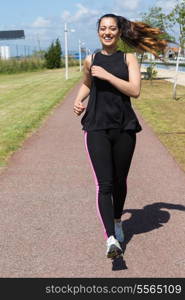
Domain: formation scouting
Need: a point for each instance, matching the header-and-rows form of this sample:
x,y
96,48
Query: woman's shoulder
x,y
130,58
87,61
89,58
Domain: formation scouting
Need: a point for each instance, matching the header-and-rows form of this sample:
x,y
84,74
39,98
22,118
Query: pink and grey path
x,y
48,220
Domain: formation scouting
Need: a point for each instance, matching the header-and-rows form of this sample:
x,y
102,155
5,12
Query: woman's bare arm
x,y
84,90
133,86
130,88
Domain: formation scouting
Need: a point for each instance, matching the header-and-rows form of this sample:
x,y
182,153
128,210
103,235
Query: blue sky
x,y
43,20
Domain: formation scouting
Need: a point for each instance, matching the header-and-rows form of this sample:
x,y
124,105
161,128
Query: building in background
x,y
9,35
171,52
4,52
149,56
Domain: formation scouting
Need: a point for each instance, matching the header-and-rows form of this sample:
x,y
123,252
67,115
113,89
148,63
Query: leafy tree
x,y
177,16
58,53
53,55
156,18
122,46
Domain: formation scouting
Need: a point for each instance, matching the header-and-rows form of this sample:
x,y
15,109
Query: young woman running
x,y
110,124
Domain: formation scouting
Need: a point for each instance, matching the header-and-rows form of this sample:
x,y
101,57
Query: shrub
x,y
151,72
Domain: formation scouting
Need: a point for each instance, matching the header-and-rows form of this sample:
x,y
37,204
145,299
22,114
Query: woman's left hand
x,y
100,72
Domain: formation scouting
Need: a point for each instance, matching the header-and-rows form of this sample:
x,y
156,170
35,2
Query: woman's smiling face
x,y
108,32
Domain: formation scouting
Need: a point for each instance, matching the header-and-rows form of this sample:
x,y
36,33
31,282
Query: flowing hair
x,y
139,35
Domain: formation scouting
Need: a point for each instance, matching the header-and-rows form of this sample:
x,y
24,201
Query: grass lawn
x,y
165,115
25,101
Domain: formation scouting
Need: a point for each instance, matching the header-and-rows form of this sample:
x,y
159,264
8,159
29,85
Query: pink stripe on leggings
x,y
97,186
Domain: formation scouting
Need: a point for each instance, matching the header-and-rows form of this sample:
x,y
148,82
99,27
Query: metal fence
x,y
25,50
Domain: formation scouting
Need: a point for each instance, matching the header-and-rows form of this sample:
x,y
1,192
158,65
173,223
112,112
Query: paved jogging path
x,y
48,221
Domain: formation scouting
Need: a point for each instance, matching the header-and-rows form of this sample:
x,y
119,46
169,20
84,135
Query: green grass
x,y
25,101
28,64
165,115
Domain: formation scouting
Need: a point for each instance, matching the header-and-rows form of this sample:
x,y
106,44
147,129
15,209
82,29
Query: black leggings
x,y
110,152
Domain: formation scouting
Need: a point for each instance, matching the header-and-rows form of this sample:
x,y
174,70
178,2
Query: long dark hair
x,y
139,35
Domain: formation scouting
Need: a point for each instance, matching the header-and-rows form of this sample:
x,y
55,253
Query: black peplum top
x,y
108,107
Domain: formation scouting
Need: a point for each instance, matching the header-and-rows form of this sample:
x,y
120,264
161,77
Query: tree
x,y
122,46
50,57
58,53
156,18
53,55
177,16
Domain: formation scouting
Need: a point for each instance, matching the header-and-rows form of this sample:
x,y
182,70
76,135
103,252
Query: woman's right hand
x,y
78,107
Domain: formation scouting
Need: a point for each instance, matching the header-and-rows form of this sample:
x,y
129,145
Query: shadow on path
x,y
148,218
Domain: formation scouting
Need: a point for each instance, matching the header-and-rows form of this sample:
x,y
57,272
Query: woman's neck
x,y
108,51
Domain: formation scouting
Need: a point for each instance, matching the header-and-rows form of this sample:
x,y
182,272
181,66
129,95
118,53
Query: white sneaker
x,y
113,247
119,231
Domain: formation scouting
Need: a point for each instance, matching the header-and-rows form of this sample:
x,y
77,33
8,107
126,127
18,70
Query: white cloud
x,y
128,4
66,15
82,14
41,22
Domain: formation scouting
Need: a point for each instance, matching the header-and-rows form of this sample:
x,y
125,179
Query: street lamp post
x,y
66,51
80,44
80,55
176,74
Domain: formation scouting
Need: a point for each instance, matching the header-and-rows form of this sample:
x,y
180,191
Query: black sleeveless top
x,y
107,106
